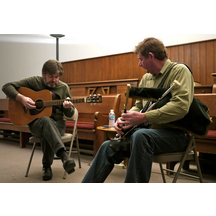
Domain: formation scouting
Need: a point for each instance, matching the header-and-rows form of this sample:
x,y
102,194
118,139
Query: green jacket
x,y
36,83
181,99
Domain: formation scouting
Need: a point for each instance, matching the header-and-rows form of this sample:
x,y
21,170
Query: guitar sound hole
x,y
39,104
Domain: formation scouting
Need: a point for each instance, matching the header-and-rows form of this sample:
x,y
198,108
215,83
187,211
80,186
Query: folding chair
x,y
68,137
189,154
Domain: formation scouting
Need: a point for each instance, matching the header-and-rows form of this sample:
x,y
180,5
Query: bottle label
x,y
111,121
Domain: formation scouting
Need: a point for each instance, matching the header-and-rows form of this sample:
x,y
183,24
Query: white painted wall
x,y
20,60
70,52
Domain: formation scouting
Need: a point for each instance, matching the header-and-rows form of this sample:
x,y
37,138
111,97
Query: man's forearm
x,y
10,91
19,97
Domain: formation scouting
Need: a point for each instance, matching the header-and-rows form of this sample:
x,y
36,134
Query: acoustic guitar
x,y
20,116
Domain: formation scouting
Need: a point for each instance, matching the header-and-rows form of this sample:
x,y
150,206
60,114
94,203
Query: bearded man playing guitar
x,y
159,137
48,129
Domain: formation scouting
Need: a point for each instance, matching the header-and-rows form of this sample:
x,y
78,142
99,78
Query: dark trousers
x,y
49,131
144,143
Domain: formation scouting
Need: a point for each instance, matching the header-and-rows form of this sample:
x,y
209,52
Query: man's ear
x,y
151,55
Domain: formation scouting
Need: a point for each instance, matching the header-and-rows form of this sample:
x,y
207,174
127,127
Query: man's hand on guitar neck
x,y
27,102
67,104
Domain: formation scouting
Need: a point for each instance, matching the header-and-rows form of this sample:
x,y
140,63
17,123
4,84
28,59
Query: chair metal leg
x,y
30,160
183,160
162,173
78,151
197,163
70,149
65,175
191,147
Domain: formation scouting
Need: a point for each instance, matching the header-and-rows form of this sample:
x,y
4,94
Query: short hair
x,y
154,46
52,67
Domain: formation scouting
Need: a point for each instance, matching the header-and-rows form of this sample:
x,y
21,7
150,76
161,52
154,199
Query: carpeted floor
x,y
14,162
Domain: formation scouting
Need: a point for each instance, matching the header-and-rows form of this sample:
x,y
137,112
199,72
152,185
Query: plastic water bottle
x,y
111,118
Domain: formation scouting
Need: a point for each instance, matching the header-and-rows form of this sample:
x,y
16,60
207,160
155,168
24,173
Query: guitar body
x,y
20,116
43,101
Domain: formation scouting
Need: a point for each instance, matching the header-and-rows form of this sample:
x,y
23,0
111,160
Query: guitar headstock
x,y
94,99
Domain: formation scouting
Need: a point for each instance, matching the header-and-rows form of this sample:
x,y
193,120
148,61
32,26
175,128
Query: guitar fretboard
x,y
60,102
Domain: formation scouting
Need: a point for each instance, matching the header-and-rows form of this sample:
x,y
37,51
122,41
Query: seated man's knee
x,y
46,121
141,138
104,146
137,136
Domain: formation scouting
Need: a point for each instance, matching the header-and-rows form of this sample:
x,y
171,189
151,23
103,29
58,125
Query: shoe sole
x,y
69,166
46,178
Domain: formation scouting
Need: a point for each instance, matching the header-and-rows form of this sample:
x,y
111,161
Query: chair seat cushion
x,y
171,157
65,138
80,125
5,120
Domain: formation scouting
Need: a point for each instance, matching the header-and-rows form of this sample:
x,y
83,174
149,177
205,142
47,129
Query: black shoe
x,y
47,173
69,165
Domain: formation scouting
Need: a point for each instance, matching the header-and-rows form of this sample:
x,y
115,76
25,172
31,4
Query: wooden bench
x,y
207,144
105,87
8,129
92,116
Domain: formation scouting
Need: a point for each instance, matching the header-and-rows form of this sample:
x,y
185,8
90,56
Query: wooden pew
x,y
106,87
207,144
92,116
9,129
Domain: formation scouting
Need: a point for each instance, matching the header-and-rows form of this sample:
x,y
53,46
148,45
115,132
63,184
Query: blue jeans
x,y
144,144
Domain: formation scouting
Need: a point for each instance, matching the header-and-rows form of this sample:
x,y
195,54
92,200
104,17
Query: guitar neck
x,y
60,102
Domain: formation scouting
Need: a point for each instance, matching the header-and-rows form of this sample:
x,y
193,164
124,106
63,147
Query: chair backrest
x,y
75,119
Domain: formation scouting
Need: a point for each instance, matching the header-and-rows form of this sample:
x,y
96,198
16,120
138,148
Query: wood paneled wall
x,y
199,56
112,67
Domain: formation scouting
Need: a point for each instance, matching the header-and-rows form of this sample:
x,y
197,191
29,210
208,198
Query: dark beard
x,y
50,86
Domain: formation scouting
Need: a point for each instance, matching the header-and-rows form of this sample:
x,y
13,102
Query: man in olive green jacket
x,y
48,129
158,137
